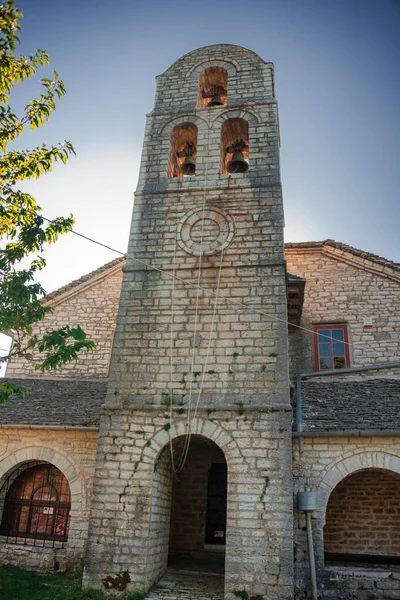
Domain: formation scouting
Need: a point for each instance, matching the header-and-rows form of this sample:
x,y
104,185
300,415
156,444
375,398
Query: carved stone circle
x,y
222,240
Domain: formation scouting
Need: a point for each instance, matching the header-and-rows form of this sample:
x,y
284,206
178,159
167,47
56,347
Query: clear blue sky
x,y
337,83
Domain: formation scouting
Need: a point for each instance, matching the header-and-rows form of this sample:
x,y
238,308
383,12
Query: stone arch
x,y
167,127
353,464
205,428
242,113
163,537
336,472
65,464
229,64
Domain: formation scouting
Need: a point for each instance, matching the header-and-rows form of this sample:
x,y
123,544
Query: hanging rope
x,y
186,444
171,413
189,435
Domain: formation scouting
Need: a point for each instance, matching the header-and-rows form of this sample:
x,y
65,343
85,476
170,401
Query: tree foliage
x,y
23,229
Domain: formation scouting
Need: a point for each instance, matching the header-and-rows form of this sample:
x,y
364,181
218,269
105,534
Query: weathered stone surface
x,y
240,357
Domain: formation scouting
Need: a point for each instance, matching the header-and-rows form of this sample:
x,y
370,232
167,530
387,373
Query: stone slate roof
x,y
346,248
359,405
69,402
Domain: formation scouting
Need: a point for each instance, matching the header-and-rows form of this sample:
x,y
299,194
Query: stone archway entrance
x,y
189,514
198,509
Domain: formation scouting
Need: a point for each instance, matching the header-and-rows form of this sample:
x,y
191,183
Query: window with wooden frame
x,y
331,347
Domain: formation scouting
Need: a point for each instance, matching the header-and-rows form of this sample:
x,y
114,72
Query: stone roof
x,y
343,405
68,402
346,248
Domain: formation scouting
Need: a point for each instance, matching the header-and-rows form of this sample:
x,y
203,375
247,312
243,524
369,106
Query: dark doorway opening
x,y
216,504
198,511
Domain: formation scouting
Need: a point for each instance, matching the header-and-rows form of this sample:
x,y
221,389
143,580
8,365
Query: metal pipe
x,y
299,403
347,433
350,370
311,557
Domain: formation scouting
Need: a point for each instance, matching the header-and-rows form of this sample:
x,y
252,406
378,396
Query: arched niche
x,y
234,138
363,518
183,150
213,87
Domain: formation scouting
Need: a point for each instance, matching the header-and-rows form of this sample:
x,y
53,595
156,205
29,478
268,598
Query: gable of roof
x,y
353,256
339,250
85,281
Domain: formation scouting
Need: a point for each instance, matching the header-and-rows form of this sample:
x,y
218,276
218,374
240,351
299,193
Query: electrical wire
x,y
191,283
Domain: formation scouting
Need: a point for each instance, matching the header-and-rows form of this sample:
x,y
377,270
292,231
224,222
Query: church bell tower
x,y
199,372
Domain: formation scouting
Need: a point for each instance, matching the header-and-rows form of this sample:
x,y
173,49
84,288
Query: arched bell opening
x,y
363,519
213,87
234,146
35,506
183,150
188,510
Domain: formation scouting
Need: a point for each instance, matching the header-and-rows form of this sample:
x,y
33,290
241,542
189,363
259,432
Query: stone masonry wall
x,y
73,452
323,465
339,291
363,515
93,306
126,503
161,505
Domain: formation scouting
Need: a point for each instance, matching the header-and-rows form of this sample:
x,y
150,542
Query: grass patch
x,y
25,585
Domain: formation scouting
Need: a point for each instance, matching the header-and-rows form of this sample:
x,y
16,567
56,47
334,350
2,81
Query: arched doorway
x,y
198,508
363,519
188,511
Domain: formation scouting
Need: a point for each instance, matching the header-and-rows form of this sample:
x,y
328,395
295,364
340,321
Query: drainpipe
x,y
300,376
307,502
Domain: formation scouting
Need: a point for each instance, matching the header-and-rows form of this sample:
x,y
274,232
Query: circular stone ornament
x,y
189,241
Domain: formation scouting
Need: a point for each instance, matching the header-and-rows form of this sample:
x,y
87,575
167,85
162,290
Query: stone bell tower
x,y
200,351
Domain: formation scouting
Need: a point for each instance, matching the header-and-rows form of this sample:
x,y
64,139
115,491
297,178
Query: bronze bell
x,y
237,164
215,100
188,167
215,94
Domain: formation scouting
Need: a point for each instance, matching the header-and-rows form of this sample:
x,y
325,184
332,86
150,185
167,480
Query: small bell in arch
x,y
215,94
237,164
188,167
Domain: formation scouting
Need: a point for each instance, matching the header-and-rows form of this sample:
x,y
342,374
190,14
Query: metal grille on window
x,y
36,505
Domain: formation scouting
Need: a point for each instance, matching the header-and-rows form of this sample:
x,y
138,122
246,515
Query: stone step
x,y
188,585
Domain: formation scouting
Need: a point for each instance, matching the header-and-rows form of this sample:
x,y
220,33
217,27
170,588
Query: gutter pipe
x,y
347,433
299,406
